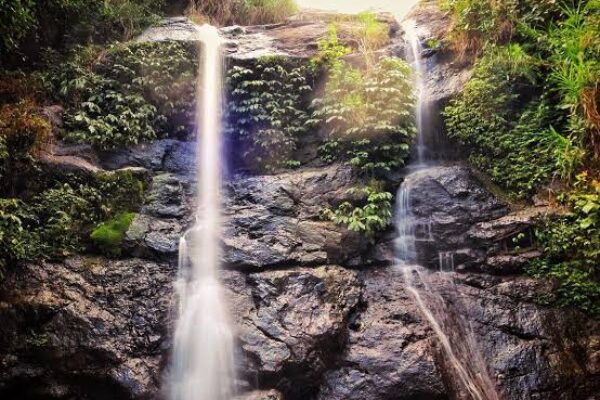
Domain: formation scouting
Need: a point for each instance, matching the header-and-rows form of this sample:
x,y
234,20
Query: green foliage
x,y
530,113
58,221
370,34
368,115
16,20
330,50
128,17
244,12
255,12
498,117
571,247
480,22
26,24
59,216
22,132
268,110
574,48
132,93
503,129
120,191
14,238
369,214
108,236
363,32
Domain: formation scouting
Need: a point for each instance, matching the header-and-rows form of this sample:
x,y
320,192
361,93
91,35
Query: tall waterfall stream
x,y
202,366
434,292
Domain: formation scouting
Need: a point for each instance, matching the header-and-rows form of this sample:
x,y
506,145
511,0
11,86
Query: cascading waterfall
x,y
421,110
434,291
202,366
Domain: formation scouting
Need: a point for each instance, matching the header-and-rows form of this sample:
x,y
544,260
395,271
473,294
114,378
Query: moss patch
x,y
108,236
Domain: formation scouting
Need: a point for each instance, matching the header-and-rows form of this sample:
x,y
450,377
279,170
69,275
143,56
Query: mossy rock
x,y
108,236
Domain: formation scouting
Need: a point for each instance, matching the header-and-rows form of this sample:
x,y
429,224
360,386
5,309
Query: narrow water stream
x,y
202,366
435,292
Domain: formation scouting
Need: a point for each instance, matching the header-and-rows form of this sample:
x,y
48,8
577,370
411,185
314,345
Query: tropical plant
x,y
268,110
571,247
502,123
368,115
60,24
14,237
370,35
16,20
370,214
22,132
574,46
128,94
330,50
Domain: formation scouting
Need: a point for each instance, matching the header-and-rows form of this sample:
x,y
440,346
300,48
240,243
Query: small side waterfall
x,y
202,366
435,292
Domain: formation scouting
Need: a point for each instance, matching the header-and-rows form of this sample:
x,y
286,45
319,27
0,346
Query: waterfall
x,y
202,366
435,292
421,112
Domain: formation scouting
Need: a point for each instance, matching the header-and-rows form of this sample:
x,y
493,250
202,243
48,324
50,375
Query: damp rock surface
x,y
307,327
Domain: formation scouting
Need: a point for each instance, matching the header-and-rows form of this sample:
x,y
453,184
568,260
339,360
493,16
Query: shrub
x,y
255,12
268,110
368,115
132,93
58,221
108,236
502,125
121,191
480,22
330,50
22,131
16,20
14,237
26,26
369,34
244,12
574,47
61,215
571,247
369,215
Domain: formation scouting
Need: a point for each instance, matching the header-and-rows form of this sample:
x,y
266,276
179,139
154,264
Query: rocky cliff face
x,y
317,314
320,313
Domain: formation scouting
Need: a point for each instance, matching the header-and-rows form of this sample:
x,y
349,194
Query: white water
x,y
435,292
438,300
202,366
414,56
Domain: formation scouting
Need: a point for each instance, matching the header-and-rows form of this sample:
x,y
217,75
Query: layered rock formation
x,y
316,316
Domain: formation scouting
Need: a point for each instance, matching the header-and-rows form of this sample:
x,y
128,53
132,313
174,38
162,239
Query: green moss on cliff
x,y
108,236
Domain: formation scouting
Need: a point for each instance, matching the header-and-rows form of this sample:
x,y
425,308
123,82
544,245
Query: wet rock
x,y
174,28
168,155
273,221
150,237
85,326
510,263
534,352
447,202
292,324
166,197
389,352
261,395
